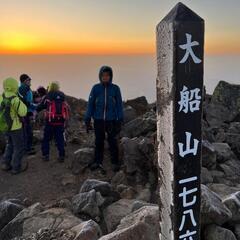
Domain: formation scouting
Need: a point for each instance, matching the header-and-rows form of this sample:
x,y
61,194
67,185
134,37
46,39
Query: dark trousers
x,y
56,132
14,150
102,128
28,133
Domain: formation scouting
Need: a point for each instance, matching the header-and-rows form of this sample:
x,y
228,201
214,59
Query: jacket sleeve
x,y
42,105
119,104
91,105
19,107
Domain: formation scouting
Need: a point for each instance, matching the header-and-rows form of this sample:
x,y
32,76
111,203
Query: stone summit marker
x,y
180,50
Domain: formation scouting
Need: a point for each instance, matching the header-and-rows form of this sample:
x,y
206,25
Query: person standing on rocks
x,y
56,115
26,95
12,109
106,108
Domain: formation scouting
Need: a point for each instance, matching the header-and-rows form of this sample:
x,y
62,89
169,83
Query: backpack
x,y
6,120
57,111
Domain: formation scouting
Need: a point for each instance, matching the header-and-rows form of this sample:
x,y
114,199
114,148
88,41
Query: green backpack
x,y
6,121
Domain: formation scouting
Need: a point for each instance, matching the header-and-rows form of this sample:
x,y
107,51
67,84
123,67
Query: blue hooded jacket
x,y
105,101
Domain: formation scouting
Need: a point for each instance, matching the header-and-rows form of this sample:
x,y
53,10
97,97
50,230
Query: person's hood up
x,y
10,85
105,69
53,87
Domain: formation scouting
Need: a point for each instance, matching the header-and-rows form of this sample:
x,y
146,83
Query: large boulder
x,y
104,188
233,204
223,151
209,157
77,106
223,190
225,104
213,211
8,211
82,158
214,232
87,203
140,105
15,228
129,114
140,126
206,176
115,212
142,224
88,230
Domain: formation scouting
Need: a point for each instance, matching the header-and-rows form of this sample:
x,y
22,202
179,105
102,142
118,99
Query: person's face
x,y
28,82
106,77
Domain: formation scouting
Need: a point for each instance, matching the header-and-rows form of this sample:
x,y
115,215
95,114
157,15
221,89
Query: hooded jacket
x,y
105,101
26,95
18,108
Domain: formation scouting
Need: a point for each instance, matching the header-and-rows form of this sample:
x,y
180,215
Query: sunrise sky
x,y
107,26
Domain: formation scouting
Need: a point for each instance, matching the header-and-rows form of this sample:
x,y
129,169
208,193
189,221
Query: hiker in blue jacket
x,y
106,108
26,95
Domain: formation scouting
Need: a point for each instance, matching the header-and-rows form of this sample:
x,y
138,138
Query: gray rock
x,y
140,126
140,104
8,211
206,176
231,169
237,231
223,190
209,157
87,203
214,232
89,230
82,158
115,212
139,204
129,114
224,152
142,224
15,227
99,186
233,204
213,211
224,106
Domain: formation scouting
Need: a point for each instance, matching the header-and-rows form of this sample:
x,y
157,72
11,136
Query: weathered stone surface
x,y
209,157
206,176
15,227
224,106
129,114
224,152
82,158
214,232
233,204
231,169
89,230
140,104
142,224
104,188
223,190
213,211
116,211
140,126
87,203
8,210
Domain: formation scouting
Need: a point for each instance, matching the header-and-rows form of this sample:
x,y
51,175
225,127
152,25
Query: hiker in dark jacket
x,y
106,108
26,95
56,114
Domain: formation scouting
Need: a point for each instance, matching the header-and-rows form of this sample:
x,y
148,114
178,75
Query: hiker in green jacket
x,y
11,110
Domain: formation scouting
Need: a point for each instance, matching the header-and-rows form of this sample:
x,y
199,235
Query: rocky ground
x,y
69,202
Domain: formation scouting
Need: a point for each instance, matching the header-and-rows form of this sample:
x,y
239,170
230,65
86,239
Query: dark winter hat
x,y
106,69
24,77
42,91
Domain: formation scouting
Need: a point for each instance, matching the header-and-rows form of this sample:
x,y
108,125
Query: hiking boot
x,y
45,158
31,152
116,167
23,168
61,159
6,167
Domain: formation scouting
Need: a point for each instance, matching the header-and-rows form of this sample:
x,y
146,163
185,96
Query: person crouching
x,y
56,115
